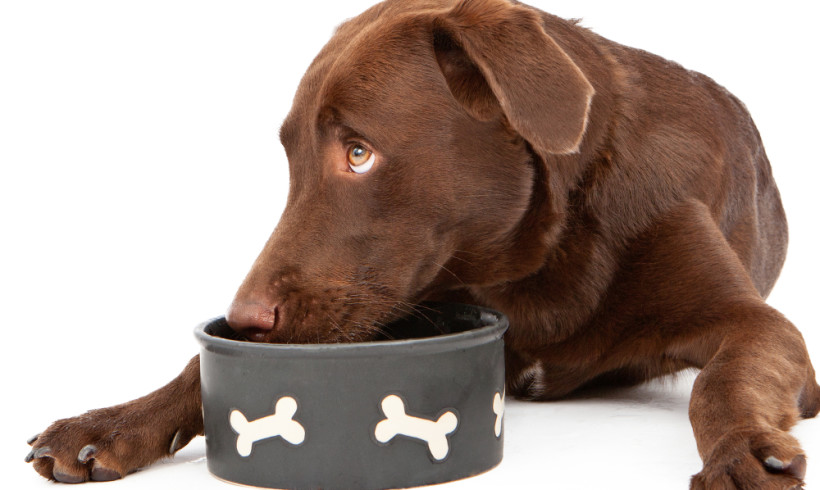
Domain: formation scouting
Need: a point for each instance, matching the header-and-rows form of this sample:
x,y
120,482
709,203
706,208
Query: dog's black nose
x,y
254,321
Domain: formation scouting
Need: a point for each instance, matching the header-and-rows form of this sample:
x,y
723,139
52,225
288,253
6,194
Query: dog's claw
x,y
40,452
795,468
31,440
774,464
176,443
180,440
87,453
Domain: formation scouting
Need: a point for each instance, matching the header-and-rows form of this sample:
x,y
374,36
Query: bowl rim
x,y
496,323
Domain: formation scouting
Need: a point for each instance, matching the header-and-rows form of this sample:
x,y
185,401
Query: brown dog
x,y
620,209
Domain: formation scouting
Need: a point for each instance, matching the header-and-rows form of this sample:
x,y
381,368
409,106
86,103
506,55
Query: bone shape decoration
x,y
498,409
280,424
434,433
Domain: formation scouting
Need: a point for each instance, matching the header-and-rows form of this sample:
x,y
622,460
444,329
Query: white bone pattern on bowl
x,y
396,422
434,433
498,409
279,424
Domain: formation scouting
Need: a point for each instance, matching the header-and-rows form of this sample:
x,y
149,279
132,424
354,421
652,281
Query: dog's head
x,y
414,144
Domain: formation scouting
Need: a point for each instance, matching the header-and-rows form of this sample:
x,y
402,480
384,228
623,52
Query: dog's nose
x,y
253,320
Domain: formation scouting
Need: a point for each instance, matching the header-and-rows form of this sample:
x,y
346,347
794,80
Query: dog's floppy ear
x,y
497,57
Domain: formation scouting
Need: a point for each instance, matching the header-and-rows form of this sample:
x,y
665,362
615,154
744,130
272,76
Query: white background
x,y
141,174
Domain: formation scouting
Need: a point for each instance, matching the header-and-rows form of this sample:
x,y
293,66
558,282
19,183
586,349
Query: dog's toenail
x,y
774,463
104,474
87,453
33,439
41,452
176,443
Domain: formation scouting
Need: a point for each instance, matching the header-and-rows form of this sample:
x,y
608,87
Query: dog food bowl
x,y
425,407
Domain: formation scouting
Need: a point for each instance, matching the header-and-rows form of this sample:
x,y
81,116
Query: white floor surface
x,y
140,174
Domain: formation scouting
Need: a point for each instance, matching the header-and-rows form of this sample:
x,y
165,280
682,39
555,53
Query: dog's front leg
x,y
699,303
109,443
745,399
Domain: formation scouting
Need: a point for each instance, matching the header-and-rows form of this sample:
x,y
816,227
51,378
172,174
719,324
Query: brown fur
x,y
619,208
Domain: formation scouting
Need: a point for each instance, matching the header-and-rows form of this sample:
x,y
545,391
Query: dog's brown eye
x,y
360,159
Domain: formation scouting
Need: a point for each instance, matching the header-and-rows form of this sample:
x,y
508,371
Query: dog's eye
x,y
360,159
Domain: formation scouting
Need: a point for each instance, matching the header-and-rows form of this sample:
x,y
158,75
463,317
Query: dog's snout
x,y
254,321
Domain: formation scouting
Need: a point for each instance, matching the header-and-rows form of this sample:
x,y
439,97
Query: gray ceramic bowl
x,y
426,407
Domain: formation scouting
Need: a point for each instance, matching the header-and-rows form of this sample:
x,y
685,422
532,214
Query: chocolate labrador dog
x,y
619,208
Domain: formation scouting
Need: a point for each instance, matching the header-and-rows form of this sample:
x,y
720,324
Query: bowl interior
x,y
427,320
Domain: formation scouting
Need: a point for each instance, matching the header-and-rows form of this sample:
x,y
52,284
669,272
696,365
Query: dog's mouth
x,y
402,322
256,335
320,326
263,336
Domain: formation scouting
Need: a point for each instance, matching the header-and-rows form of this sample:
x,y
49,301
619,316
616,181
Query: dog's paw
x,y
101,445
78,449
753,459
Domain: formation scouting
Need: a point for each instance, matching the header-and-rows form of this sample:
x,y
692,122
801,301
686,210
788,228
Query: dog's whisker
x,y
416,311
451,273
457,255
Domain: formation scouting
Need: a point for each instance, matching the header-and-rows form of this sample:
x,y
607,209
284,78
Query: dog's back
x,y
676,134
